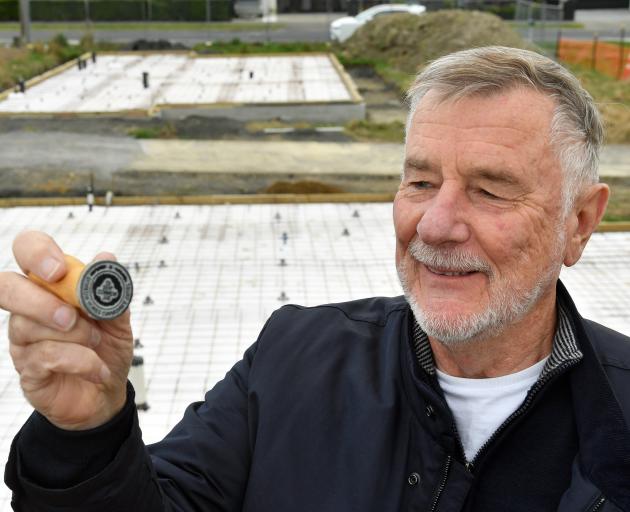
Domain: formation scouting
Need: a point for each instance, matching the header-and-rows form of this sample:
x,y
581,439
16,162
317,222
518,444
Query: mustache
x,y
453,260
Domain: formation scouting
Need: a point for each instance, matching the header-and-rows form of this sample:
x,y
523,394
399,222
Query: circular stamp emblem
x,y
105,289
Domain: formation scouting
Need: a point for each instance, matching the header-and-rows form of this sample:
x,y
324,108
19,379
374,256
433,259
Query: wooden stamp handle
x,y
66,288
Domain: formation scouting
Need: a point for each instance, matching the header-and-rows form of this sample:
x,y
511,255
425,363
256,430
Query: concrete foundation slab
x,y
311,87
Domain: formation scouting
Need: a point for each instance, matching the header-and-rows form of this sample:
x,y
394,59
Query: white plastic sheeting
x,y
215,273
115,83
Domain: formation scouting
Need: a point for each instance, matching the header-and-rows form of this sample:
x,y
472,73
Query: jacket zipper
x,y
442,485
598,504
470,465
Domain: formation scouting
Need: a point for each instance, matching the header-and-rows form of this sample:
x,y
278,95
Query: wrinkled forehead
x,y
523,111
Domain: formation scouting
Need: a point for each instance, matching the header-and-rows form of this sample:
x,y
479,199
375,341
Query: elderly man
x,y
482,390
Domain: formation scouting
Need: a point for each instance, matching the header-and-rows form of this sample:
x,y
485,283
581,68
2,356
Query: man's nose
x,y
444,221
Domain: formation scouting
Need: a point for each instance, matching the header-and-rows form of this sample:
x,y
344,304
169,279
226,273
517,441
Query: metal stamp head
x,y
105,289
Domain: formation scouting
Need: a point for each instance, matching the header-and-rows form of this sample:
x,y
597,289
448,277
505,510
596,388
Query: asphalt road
x,y
310,28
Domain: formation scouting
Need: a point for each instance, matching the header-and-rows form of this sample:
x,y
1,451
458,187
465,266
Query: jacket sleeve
x,y
202,464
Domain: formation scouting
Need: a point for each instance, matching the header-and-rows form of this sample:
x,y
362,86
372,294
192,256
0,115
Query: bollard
x,y
90,200
94,57
136,377
145,79
102,288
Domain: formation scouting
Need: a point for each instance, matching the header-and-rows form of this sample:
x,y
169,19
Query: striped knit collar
x,y
564,349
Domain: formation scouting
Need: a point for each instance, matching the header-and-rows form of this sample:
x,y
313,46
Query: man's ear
x,y
588,210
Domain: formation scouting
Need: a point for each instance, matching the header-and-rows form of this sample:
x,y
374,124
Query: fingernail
x,y
64,317
105,374
95,338
48,267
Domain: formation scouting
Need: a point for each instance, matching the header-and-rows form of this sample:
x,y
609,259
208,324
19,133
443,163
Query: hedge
x,y
118,10
9,11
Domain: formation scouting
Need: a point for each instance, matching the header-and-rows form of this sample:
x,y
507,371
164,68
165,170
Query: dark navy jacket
x,y
329,411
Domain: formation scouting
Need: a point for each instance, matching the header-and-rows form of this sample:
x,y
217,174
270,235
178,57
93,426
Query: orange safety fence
x,y
607,58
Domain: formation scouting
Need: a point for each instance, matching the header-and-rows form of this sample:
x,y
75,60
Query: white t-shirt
x,y
480,406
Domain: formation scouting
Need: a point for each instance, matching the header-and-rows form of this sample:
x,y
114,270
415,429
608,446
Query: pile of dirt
x,y
407,42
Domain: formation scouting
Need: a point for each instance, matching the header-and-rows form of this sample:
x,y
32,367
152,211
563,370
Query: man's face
x,y
478,215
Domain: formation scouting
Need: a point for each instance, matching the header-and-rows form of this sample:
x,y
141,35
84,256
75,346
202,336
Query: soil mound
x,y
408,42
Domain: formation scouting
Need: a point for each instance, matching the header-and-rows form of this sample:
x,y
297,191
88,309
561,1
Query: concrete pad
x,y
188,84
269,157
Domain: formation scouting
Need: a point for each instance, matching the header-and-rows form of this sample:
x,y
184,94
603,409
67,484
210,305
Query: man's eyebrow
x,y
498,175
417,163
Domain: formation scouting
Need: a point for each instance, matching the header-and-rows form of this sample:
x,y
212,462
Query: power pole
x,y
25,21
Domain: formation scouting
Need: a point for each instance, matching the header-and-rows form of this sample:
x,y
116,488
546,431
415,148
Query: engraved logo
x,y
107,292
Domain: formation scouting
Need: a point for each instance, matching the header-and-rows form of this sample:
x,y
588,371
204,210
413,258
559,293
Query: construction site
x,y
231,185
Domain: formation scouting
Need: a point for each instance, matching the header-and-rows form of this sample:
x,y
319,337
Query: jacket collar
x,y
564,349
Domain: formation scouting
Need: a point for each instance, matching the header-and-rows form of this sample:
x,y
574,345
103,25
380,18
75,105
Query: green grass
x,y
368,131
401,80
167,131
162,26
237,46
16,64
619,202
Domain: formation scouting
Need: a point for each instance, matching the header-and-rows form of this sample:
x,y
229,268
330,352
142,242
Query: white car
x,y
342,28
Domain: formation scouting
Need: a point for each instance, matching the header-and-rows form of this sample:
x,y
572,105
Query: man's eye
x,y
421,184
487,194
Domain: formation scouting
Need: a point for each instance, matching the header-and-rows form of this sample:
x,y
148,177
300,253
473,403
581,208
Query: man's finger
x,y
24,331
104,256
20,296
41,360
38,253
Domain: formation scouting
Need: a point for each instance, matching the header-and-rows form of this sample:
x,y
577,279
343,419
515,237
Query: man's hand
x,y
73,370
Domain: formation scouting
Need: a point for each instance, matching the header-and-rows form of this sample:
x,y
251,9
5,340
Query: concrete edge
x,y
203,199
613,227
145,53
345,78
115,114
250,55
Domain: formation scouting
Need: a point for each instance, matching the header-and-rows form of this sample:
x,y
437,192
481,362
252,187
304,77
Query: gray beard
x,y
509,303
